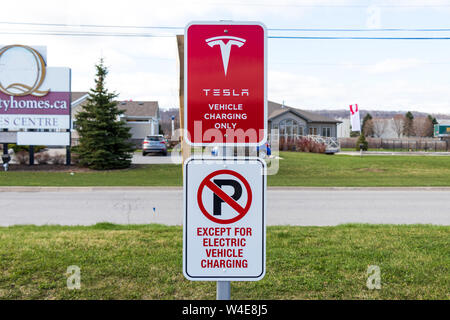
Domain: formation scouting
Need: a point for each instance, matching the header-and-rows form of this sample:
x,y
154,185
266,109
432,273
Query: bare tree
x,y
423,127
398,123
367,125
379,127
368,128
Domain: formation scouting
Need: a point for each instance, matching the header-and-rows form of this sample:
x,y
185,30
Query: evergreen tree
x,y
103,142
362,143
354,134
432,119
408,125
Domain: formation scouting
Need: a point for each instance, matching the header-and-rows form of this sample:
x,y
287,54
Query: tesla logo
x,y
225,48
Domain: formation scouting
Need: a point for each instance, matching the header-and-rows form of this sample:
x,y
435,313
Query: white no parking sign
x,y
224,222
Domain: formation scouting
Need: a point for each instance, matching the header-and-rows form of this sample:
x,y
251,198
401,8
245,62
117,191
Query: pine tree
x,y
361,143
103,142
432,119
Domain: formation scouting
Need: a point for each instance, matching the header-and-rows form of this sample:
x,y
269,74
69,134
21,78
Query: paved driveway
x,y
153,158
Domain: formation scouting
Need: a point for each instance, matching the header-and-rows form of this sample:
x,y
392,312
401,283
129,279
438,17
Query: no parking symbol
x,y
224,223
213,185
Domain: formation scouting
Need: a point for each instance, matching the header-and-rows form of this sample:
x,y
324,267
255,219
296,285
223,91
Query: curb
x,y
83,189
176,188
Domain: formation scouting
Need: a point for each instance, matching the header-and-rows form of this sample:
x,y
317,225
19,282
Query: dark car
x,y
155,143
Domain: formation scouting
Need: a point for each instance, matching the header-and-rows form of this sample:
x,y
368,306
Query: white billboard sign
x,y
32,121
43,138
224,232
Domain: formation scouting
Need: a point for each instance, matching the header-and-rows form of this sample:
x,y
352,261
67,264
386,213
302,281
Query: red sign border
x,y
233,144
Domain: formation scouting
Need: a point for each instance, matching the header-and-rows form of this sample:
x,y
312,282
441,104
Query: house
x,y
142,117
293,122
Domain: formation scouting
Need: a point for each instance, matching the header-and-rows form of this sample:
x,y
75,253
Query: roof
x,y
77,95
276,109
443,122
131,109
140,108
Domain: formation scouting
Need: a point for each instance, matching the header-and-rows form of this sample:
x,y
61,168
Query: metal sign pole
x,y
223,291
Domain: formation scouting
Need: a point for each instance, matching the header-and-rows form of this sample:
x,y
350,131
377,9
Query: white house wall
x,y
139,130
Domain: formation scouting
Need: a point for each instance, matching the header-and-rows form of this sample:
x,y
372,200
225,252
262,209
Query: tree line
x,y
403,125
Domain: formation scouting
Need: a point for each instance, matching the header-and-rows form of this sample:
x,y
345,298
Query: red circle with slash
x,y
207,182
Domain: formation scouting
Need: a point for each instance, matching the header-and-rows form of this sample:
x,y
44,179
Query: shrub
x,y
17,148
363,142
75,158
42,157
305,144
287,144
22,157
59,159
318,147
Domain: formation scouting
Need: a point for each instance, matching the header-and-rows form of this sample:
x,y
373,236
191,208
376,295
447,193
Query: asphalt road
x,y
285,206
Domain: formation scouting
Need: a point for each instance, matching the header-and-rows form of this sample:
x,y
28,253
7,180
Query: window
x,y
289,124
283,128
312,131
290,127
326,132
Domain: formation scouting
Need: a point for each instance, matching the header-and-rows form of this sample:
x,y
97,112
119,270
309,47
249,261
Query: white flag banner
x,y
355,120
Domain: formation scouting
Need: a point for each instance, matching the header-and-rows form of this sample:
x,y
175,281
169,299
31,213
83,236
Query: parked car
x,y
155,143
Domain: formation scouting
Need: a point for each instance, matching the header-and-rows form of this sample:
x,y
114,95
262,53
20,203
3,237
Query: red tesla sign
x,y
225,83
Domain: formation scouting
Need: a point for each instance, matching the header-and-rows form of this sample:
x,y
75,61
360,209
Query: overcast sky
x,y
308,74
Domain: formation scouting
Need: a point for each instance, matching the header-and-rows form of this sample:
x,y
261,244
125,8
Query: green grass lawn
x,y
296,169
146,175
145,262
300,169
431,150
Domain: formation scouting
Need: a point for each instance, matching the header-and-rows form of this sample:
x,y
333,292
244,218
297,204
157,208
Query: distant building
x,y
343,128
293,122
444,122
385,128
142,117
